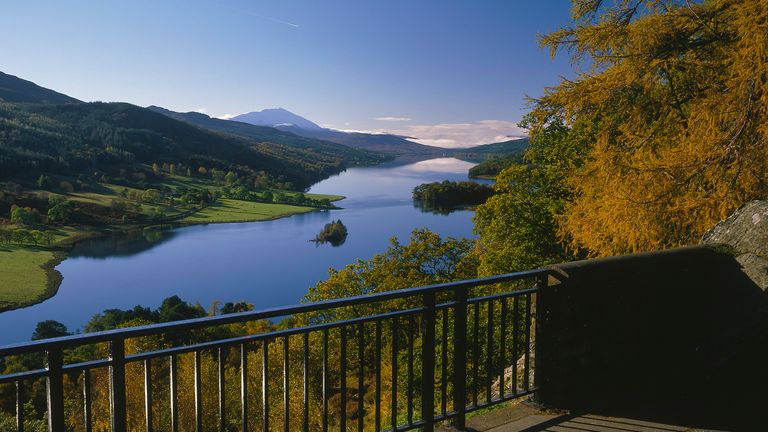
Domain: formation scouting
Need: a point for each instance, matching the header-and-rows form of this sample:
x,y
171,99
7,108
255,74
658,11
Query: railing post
x,y
55,391
460,358
19,406
542,282
117,384
428,364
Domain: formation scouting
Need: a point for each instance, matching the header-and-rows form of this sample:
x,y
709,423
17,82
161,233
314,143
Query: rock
x,y
745,234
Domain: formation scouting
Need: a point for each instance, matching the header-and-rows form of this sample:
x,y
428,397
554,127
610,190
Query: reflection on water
x,y
435,209
268,264
122,244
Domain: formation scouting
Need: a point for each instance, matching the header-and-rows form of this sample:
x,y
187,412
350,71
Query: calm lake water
x,y
265,263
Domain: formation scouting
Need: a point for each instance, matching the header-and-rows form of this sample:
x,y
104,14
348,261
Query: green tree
x,y
49,329
23,216
426,259
230,179
43,182
6,236
517,226
22,236
59,210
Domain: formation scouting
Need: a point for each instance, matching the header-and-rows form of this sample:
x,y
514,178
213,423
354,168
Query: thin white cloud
x,y
226,116
394,119
458,135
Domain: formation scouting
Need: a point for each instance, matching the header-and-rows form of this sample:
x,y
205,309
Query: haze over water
x,y
267,264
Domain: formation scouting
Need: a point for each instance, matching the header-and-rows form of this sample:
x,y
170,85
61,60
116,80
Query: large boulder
x,y
745,234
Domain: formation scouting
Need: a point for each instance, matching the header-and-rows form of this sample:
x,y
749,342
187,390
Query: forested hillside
x,y
82,139
515,147
16,90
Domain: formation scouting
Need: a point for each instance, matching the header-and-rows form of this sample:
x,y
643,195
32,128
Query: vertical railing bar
x,y
87,411
306,383
19,407
55,391
325,380
489,354
377,396
148,394
221,356
475,353
444,366
526,378
411,331
244,387
265,384
428,364
117,384
173,371
515,330
360,377
503,348
343,376
542,281
460,358
395,332
198,392
286,387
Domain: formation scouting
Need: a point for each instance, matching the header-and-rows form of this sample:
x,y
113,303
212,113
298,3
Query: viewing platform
x,y
670,340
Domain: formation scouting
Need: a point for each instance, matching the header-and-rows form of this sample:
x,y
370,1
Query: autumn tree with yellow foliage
x,y
673,97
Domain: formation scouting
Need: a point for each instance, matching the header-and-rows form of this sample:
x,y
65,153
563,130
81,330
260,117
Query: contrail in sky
x,y
275,20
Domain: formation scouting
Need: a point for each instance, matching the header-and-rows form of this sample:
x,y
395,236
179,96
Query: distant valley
x,y
71,170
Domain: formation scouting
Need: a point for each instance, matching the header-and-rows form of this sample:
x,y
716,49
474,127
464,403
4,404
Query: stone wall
x,y
681,334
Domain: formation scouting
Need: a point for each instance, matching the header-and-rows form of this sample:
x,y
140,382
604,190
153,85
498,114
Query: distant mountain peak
x,y
276,116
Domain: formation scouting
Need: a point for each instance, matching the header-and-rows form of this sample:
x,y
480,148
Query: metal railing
x,y
457,349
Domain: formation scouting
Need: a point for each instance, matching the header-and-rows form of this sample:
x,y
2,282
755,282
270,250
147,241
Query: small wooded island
x,y
334,233
449,195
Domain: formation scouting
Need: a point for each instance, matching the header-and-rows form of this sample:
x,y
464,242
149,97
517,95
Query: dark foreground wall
x,y
673,335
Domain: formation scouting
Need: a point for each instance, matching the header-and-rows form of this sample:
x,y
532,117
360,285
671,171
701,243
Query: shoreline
x,y
60,251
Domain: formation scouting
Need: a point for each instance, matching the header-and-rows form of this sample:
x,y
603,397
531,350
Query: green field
x,y
227,210
26,275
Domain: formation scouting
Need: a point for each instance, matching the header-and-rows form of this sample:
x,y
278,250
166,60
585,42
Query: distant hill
x,y
112,138
46,132
488,151
391,144
347,156
16,90
494,158
276,117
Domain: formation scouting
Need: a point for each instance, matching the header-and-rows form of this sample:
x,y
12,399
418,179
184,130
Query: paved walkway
x,y
526,418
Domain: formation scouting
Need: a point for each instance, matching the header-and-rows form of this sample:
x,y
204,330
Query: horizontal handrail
x,y
196,323
475,354
223,343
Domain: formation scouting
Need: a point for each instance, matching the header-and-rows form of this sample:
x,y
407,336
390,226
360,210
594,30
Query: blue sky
x,y
447,72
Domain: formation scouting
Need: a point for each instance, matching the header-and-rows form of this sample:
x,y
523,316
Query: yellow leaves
x,y
679,99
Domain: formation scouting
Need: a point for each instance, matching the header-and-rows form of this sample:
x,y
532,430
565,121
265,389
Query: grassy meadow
x,y
27,275
26,272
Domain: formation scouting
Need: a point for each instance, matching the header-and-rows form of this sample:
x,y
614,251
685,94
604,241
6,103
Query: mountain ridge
x,y
17,90
284,120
